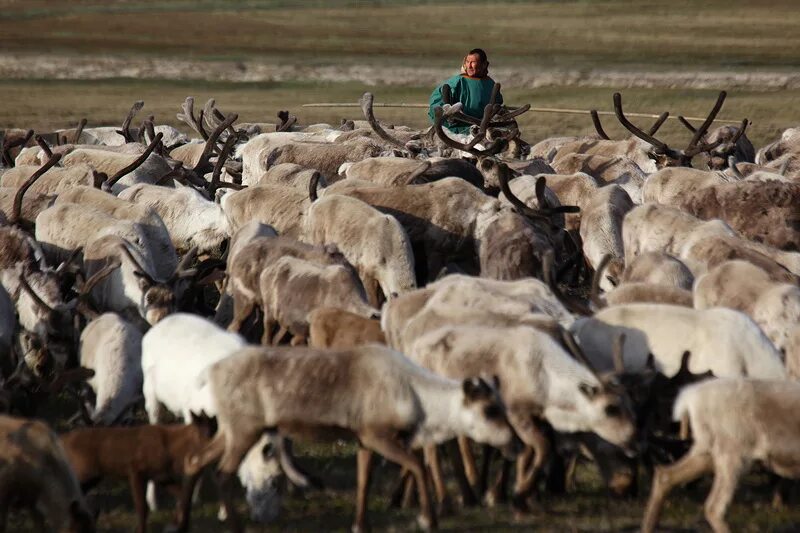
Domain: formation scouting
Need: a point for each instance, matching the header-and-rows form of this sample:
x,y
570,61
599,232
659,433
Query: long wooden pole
x,y
534,109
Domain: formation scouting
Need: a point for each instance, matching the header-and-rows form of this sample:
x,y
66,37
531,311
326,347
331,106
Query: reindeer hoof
x,y
444,507
425,523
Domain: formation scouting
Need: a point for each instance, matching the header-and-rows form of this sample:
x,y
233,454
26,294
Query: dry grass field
x,y
631,36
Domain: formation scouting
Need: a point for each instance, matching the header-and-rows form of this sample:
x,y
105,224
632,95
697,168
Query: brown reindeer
x,y
141,454
34,473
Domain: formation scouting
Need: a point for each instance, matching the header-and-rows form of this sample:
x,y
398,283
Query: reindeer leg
x,y
241,310
468,498
138,485
444,506
396,500
372,289
727,470
185,502
269,324
282,331
691,466
409,492
363,470
498,492
393,451
527,477
235,448
3,512
469,461
486,465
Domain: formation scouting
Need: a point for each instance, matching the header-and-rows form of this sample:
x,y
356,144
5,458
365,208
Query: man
x,y
473,88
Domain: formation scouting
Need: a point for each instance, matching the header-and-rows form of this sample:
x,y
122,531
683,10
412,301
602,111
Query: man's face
x,y
472,64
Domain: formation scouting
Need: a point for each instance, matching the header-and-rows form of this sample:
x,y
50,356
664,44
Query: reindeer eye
x,y
493,412
613,410
267,450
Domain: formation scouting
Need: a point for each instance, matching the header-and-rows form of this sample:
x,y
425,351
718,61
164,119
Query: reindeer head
x,y
486,419
604,403
160,298
663,154
260,474
55,324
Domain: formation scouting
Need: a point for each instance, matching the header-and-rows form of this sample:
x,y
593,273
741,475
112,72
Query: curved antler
x,y
135,164
598,126
6,146
23,282
203,163
126,124
366,106
287,121
226,152
188,117
659,145
182,270
658,123
440,114
137,267
44,146
740,132
707,122
16,206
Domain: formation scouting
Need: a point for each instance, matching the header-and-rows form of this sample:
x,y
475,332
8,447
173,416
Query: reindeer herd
x,y
427,294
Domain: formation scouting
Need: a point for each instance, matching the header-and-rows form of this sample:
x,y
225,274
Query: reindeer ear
x,y
470,386
145,281
590,391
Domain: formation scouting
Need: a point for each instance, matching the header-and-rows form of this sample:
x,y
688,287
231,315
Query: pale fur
x,y
190,218
56,180
726,342
150,171
658,268
601,227
734,423
112,347
618,170
366,387
740,285
537,377
175,353
282,207
374,243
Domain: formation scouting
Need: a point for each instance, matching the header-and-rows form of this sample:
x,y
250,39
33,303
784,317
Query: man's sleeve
x,y
436,96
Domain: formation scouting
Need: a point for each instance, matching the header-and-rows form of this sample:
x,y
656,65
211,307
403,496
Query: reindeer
x,y
36,474
342,394
140,454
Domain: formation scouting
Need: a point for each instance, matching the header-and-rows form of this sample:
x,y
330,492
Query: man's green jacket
x,y
474,93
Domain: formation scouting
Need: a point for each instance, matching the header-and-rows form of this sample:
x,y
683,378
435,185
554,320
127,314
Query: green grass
x,y
584,34
332,509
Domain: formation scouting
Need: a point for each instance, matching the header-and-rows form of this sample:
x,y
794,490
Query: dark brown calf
x,y
141,454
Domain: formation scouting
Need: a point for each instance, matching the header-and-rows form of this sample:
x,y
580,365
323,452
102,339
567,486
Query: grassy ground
x,y
587,509
682,33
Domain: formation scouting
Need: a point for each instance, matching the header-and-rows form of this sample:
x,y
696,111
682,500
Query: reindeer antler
x,y
126,124
188,117
366,106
